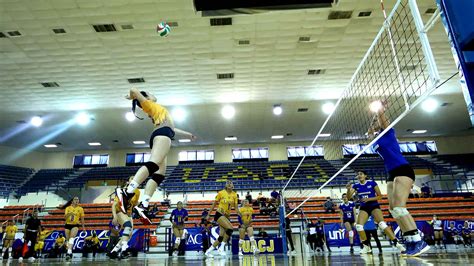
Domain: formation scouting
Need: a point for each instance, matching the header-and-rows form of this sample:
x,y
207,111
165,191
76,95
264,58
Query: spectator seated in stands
x,y
261,199
154,211
249,197
262,233
466,234
204,214
329,205
91,243
426,191
59,247
453,235
275,196
271,209
415,191
166,201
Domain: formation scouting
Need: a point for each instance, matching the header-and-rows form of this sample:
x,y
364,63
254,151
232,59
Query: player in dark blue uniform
x,y
466,234
177,218
399,183
369,194
347,213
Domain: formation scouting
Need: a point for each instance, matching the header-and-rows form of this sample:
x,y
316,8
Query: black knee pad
x,y
220,238
229,232
158,178
152,167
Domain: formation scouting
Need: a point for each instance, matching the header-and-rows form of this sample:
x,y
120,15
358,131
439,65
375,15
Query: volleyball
x,y
163,29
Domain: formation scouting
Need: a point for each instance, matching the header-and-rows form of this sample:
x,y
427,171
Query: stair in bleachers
x,y
45,179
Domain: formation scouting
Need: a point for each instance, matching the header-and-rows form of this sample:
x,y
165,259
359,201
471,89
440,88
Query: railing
x,y
452,184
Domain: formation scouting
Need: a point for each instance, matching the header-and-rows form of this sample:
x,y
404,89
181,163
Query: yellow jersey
x,y
246,214
43,235
94,240
60,241
157,113
73,214
131,203
226,201
10,231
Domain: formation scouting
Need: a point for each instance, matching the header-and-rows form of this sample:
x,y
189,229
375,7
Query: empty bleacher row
x,y
11,177
211,176
463,161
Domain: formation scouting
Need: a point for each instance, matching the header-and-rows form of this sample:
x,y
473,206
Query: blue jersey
x,y
178,216
370,224
347,210
389,149
365,191
320,228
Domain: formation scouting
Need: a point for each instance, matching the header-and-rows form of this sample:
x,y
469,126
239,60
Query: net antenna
x,y
398,69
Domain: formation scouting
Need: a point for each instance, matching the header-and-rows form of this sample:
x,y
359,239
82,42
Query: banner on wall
x,y
268,245
337,236
137,239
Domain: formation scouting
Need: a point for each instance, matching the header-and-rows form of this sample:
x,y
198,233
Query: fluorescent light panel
x,y
184,140
138,142
277,137
420,131
94,144
323,135
230,138
51,145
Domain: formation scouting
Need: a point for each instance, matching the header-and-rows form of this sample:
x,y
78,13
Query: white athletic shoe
x,y
255,250
240,253
20,260
175,254
293,252
365,250
208,253
400,247
31,259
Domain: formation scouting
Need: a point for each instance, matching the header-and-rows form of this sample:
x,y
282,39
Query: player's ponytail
x,y
67,204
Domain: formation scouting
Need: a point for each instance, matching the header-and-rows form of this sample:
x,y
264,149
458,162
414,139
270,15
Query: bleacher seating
x,y
44,178
103,173
249,175
11,177
9,212
463,161
97,217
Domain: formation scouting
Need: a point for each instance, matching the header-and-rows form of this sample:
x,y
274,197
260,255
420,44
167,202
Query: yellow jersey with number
x,y
74,214
10,231
226,201
246,214
131,203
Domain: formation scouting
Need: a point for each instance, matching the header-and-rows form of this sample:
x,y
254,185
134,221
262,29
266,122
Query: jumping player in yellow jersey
x,y
74,216
8,239
160,143
226,199
126,222
40,244
245,227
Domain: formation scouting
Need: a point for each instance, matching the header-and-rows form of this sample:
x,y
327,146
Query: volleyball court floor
x,y
450,257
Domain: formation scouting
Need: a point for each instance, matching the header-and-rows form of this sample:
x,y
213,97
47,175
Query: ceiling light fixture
x,y
277,110
184,140
228,112
230,138
130,116
83,119
324,135
328,108
178,114
375,106
139,142
420,131
36,121
277,137
430,105
94,144
51,145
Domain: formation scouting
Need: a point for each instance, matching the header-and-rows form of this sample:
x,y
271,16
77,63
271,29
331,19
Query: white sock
x,y
146,201
132,186
416,238
124,245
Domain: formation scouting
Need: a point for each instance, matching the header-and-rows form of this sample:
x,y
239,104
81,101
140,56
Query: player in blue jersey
x,y
347,213
369,194
177,218
400,180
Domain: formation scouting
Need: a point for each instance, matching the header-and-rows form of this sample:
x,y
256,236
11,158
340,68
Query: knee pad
x,y
220,238
241,241
382,225
127,228
399,212
351,233
229,232
177,241
359,227
158,178
71,241
152,167
252,238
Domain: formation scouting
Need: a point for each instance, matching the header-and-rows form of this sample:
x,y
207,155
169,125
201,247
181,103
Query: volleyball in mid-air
x,y
163,29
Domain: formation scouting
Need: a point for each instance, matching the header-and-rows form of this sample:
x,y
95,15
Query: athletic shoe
x,y
293,252
365,250
409,248
20,260
124,255
240,253
419,248
31,259
255,251
208,253
400,247
112,255
143,213
123,198
175,254
352,250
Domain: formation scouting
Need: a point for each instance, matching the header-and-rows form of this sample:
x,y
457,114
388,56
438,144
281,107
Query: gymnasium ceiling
x,y
92,70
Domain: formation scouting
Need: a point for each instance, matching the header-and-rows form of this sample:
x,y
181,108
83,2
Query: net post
x,y
282,216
